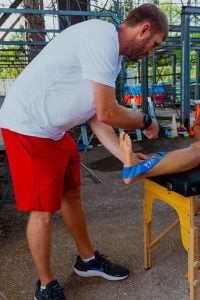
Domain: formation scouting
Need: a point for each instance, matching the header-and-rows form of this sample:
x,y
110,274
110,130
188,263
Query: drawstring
x,y
117,28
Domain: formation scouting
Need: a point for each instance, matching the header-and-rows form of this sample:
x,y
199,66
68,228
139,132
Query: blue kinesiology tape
x,y
143,167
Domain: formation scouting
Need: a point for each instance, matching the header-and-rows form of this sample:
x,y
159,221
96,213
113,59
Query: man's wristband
x,y
147,121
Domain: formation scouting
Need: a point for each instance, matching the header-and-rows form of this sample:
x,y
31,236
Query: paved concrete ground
x,y
114,212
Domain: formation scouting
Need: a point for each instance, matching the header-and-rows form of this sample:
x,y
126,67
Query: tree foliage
x,y
13,57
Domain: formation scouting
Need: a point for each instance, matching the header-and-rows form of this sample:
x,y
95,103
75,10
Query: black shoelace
x,y
102,259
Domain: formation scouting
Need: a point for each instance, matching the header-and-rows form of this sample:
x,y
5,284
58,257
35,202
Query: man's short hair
x,y
148,13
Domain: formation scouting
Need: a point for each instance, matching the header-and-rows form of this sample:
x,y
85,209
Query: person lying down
x,y
161,163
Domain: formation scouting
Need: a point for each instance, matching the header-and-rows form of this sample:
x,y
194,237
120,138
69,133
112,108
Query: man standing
x,y
72,81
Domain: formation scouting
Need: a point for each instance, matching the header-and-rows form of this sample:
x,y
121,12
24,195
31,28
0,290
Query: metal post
x,y
144,84
154,76
121,78
174,78
197,86
185,69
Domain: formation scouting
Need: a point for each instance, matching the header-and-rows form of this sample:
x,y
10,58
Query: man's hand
x,y
141,156
152,131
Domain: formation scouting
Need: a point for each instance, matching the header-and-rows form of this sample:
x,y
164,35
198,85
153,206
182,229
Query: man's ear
x,y
145,29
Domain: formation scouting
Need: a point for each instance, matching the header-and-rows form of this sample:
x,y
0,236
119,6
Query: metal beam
x,y
179,39
18,50
27,30
191,10
14,55
12,65
6,63
22,43
8,13
60,13
12,25
2,60
177,28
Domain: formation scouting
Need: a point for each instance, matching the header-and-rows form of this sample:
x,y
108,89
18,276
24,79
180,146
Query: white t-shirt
x,y
54,92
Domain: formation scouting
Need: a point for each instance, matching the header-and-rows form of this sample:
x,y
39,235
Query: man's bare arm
x,y
111,113
107,136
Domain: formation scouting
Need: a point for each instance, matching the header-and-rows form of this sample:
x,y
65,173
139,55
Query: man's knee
x,y
41,218
72,195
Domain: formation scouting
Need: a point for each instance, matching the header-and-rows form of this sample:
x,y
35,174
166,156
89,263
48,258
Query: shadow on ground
x,y
111,164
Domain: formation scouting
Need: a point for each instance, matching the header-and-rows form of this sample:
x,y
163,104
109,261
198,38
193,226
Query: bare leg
x,y
41,222
174,162
39,240
178,161
74,219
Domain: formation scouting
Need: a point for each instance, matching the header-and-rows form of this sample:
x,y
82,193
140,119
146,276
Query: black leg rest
x,y
186,183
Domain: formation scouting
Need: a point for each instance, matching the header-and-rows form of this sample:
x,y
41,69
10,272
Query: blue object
x,y
82,147
168,134
143,167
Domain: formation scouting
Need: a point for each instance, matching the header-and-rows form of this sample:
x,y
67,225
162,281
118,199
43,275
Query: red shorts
x,y
41,169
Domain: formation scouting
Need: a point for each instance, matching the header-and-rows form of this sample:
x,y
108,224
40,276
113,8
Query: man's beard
x,y
139,50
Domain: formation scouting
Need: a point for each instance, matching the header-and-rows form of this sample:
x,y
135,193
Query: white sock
x,y
88,259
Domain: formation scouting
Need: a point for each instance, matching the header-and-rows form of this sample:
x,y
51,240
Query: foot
x,y
53,291
125,143
100,266
130,158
